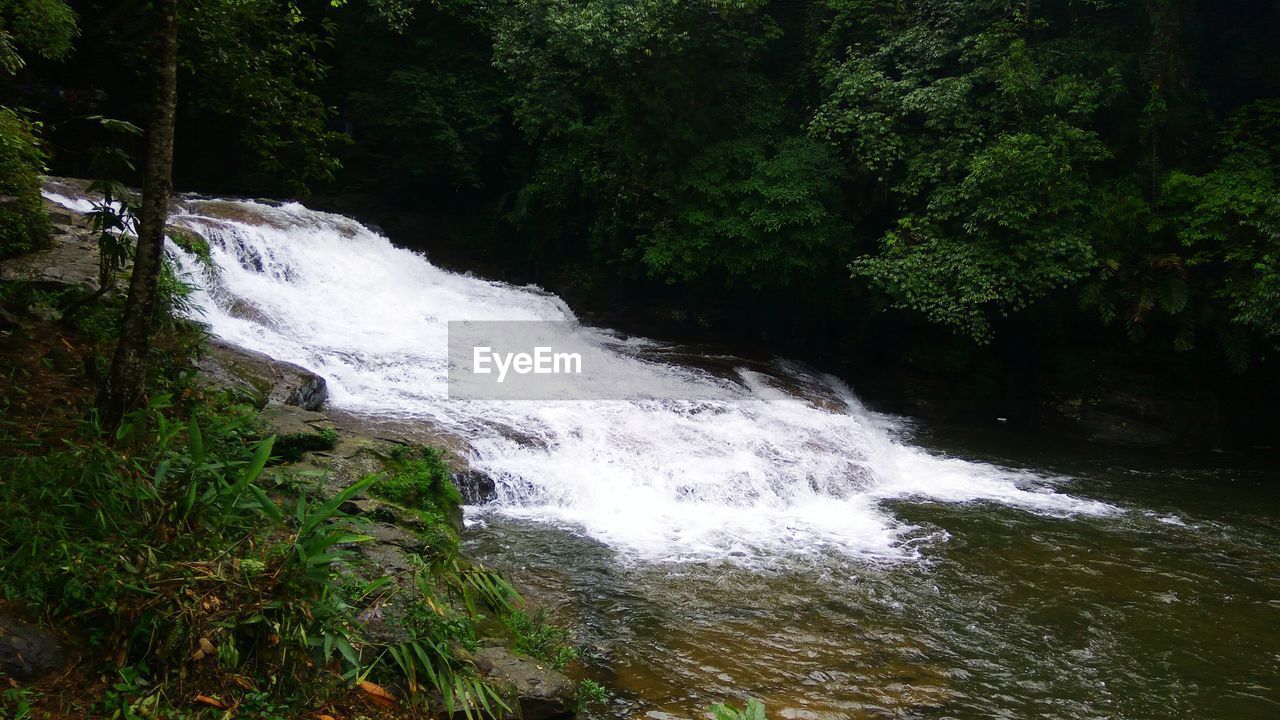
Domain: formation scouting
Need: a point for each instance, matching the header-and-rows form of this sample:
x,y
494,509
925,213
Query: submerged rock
x,y
26,651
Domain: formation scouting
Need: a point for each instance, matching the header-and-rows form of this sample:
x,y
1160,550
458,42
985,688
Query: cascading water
x,y
761,461
798,504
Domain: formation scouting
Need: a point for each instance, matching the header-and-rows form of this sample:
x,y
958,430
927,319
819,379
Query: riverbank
x,y
372,553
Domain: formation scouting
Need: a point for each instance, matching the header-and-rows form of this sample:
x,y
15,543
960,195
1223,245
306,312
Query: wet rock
x,y
362,507
476,487
71,260
351,462
27,652
298,431
538,692
261,378
1118,417
293,420
1116,429
388,534
389,559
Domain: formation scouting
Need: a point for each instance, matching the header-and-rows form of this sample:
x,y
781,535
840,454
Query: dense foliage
x,y
1081,162
841,177
23,223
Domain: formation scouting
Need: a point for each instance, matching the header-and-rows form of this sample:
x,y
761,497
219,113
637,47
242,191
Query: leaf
x,y
269,508
330,508
348,652
378,694
211,702
250,473
197,443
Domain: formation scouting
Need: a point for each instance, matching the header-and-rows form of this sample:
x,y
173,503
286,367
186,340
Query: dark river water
x,y
1169,608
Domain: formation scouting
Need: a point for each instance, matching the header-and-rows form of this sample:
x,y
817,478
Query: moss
x,y
24,224
191,242
291,447
419,480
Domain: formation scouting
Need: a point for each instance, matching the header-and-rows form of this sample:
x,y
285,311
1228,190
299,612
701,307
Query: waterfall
x,y
762,460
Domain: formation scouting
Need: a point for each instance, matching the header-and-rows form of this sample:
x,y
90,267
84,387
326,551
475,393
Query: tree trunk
x,y
127,379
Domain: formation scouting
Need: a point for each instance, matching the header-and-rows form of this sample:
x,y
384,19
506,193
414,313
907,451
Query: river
x,y
753,530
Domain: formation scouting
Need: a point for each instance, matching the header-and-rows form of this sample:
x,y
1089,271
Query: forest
x,y
1025,191
1052,216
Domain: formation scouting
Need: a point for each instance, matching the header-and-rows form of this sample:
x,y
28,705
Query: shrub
x,y
24,224
419,479
535,636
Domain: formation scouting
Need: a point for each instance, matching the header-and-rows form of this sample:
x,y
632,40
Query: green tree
x,y
128,374
44,28
667,141
977,121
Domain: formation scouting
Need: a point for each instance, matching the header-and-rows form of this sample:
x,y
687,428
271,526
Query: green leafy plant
x,y
590,693
538,638
754,710
114,212
24,225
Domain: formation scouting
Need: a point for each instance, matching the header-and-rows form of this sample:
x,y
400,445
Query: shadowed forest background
x,y
1032,210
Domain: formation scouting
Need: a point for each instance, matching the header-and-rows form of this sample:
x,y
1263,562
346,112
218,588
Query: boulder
x,y
26,651
476,487
71,260
539,692
1119,417
261,378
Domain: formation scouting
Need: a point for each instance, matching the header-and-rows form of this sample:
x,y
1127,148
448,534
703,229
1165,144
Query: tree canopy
x,y
1088,165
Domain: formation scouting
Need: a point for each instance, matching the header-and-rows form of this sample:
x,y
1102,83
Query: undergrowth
x,y
534,635
182,568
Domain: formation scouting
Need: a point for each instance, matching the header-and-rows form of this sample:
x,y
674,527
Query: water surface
x,y
1168,608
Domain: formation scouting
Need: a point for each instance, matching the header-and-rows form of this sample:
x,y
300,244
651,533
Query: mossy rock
x,y
298,431
419,479
191,242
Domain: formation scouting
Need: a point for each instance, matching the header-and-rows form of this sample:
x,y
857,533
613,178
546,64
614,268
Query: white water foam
x,y
765,462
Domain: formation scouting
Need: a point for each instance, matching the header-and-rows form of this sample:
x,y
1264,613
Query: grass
x,y
419,478
535,636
